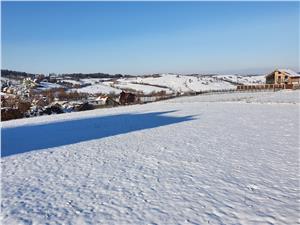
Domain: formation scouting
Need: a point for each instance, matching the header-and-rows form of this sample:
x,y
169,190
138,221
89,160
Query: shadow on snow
x,y
33,137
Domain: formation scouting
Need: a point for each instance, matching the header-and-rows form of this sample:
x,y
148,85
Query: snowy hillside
x,y
167,83
13,81
93,80
48,86
98,88
146,89
207,159
182,83
171,83
243,79
73,82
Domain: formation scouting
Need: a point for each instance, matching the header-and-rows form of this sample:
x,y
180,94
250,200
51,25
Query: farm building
x,y
283,76
127,98
105,100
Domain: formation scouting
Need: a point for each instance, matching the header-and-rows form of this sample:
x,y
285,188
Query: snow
x,y
94,80
183,83
146,89
267,97
48,86
217,159
12,81
171,83
289,71
73,82
97,89
246,80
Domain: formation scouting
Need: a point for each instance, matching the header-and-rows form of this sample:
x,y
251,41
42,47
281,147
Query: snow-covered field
x,y
97,89
208,159
73,82
182,83
146,89
170,83
47,86
243,79
13,81
93,80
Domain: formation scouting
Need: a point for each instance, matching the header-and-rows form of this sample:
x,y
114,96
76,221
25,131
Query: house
x,y
106,100
127,98
283,76
101,100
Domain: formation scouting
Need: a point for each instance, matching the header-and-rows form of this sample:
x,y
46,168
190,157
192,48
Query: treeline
x,y
91,75
15,74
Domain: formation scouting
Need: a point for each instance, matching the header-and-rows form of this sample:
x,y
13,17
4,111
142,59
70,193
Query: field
x,y
170,83
207,159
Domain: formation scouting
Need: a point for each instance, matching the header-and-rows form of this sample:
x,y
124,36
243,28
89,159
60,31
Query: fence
x,y
153,98
265,86
240,88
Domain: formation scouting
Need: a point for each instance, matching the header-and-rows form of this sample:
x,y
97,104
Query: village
x,y
36,95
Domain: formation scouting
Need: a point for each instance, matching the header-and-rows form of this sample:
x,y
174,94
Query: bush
x,y
67,96
10,114
23,106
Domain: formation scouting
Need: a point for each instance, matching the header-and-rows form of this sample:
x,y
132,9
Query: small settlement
x,y
41,96
36,95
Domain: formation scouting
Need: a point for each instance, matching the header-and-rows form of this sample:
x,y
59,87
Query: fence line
x,y
238,89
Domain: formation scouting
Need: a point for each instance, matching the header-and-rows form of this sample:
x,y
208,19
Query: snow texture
x,y
207,159
73,82
146,89
182,83
98,89
246,80
47,86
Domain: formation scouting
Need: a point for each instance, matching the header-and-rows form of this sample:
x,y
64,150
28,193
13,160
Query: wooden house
x,y
283,76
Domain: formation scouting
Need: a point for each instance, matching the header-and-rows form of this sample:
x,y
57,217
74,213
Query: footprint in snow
x,y
252,187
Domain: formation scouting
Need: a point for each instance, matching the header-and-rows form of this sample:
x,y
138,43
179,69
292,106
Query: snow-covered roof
x,y
290,72
286,71
101,98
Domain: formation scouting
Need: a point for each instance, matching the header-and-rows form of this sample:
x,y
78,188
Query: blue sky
x,y
150,37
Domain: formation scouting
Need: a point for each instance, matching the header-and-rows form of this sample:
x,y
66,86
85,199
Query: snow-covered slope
x,y
97,89
183,161
169,83
48,86
12,81
182,83
73,82
93,80
243,79
146,89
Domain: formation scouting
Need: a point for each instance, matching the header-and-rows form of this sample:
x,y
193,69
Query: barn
x,y
127,98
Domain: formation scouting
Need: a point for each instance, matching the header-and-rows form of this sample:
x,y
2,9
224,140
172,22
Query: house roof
x,y
101,98
290,72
